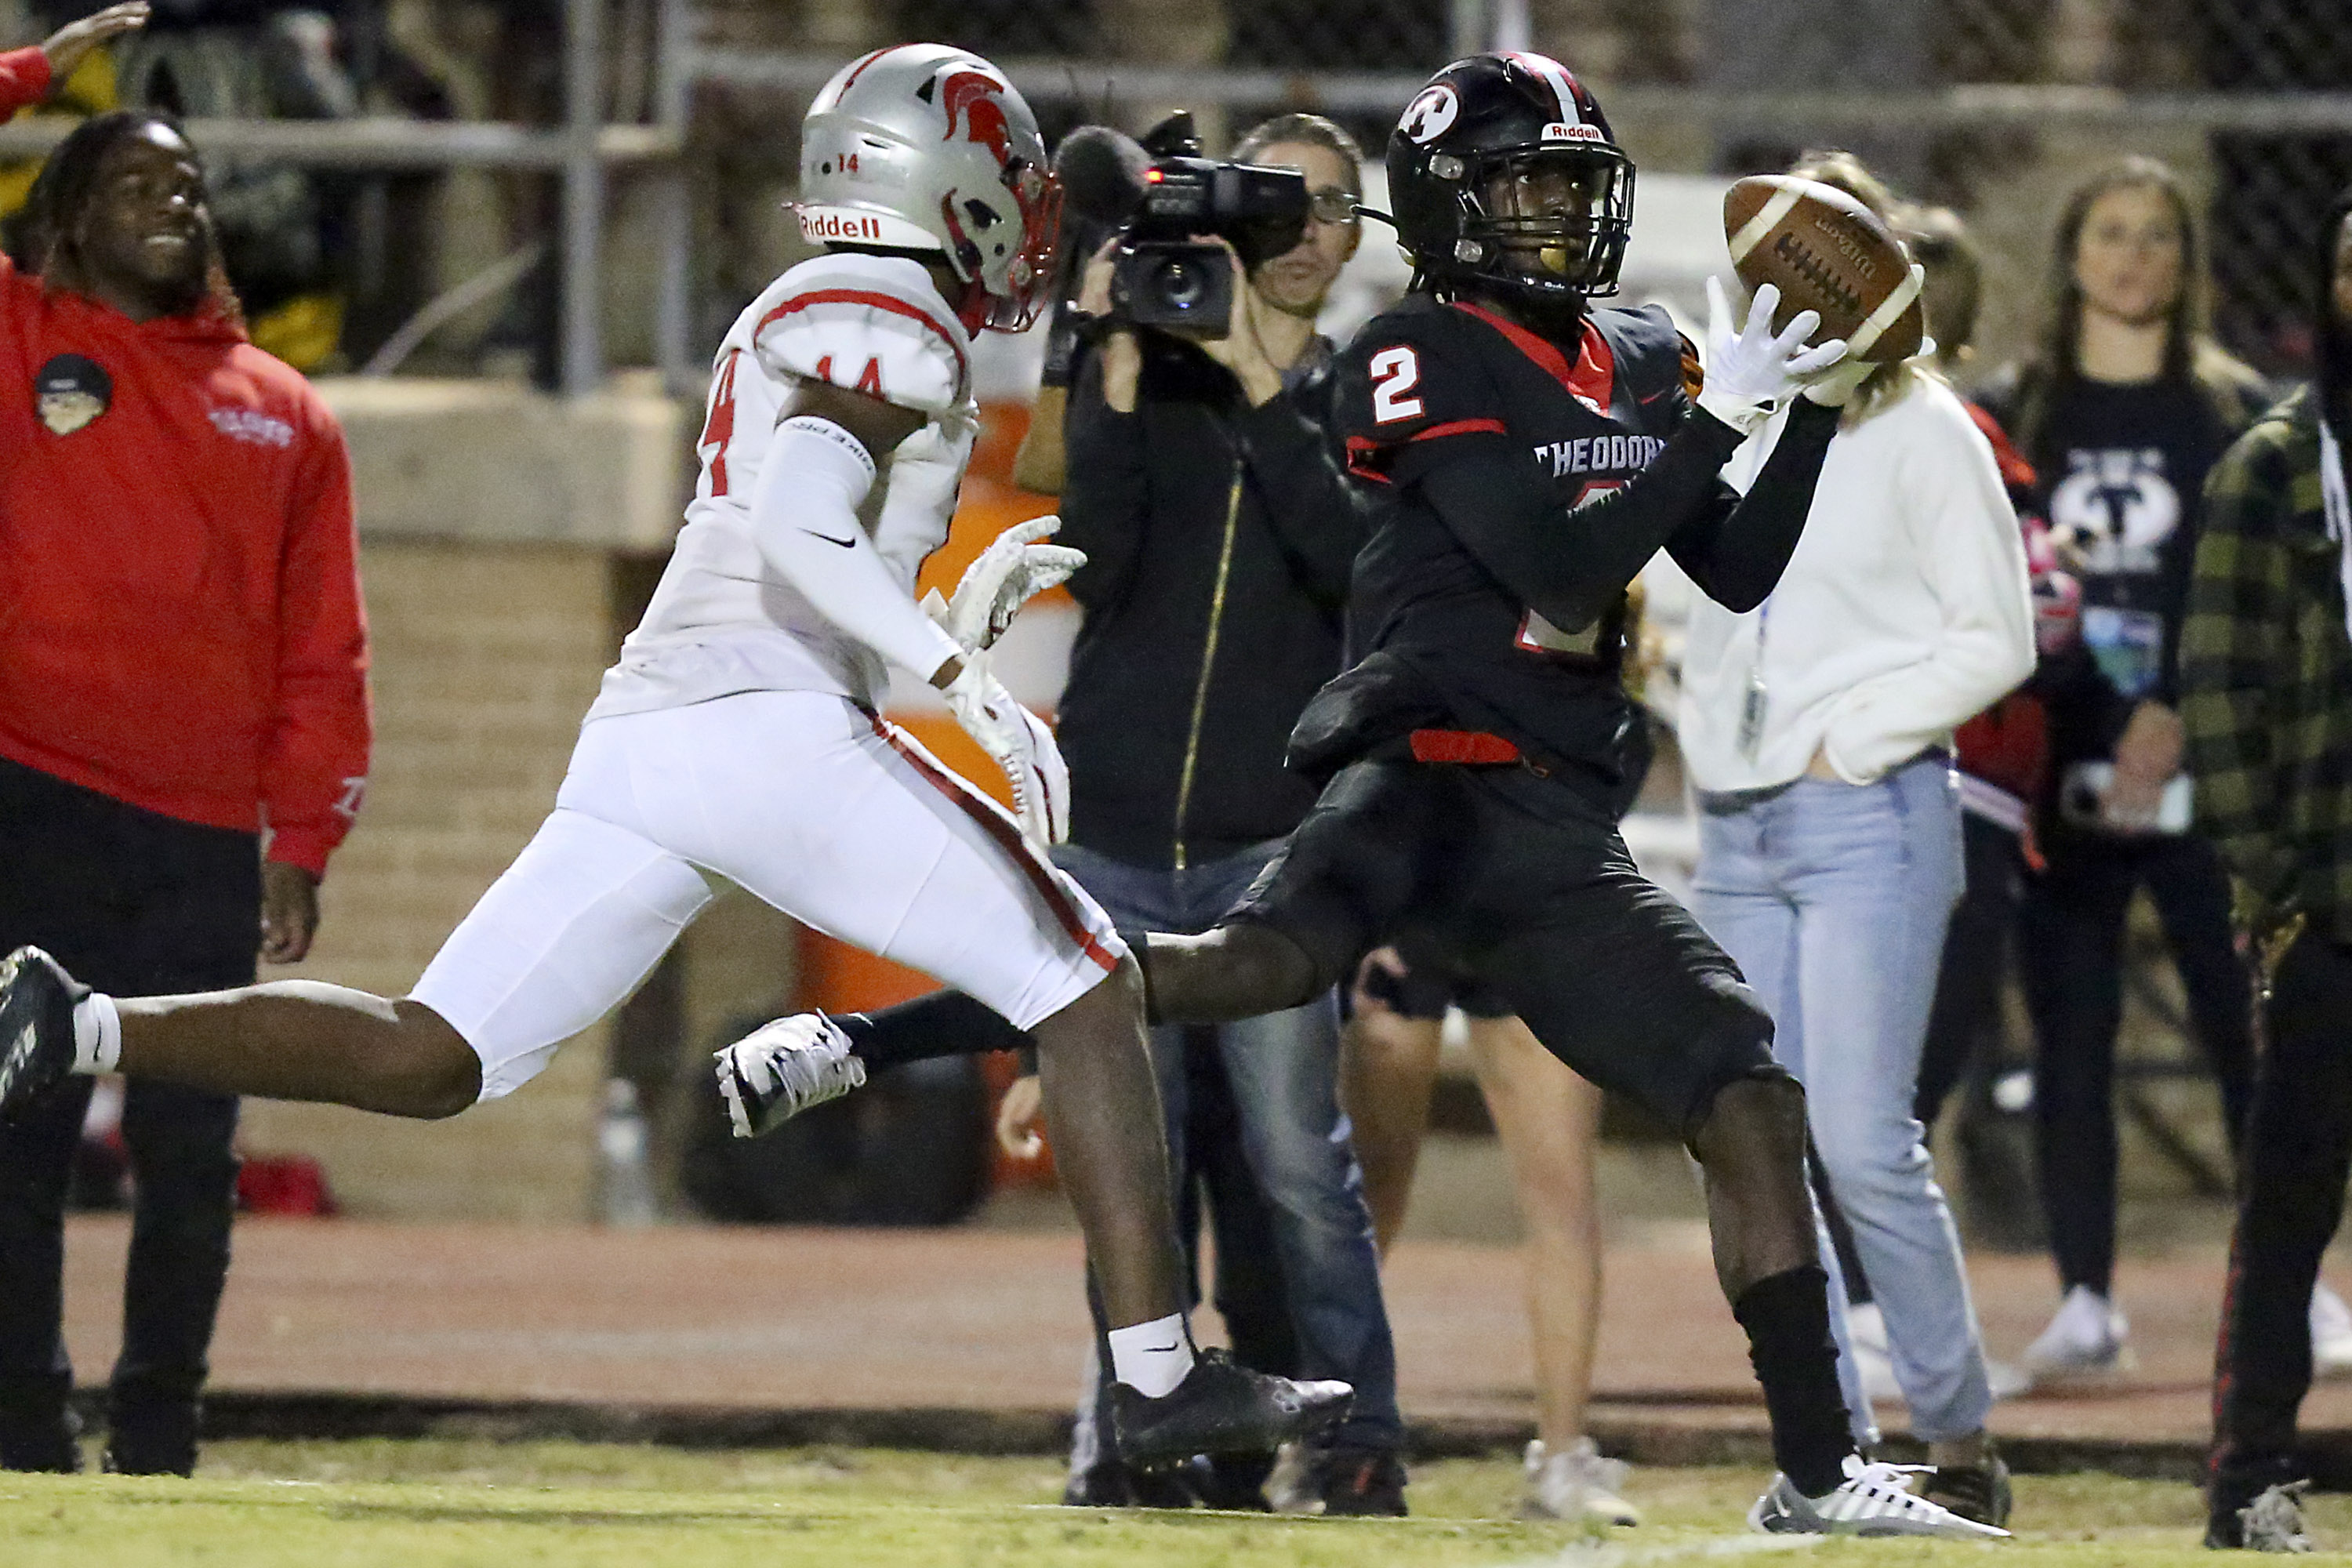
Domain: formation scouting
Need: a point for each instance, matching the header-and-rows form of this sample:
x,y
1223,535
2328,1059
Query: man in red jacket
x,y
182,679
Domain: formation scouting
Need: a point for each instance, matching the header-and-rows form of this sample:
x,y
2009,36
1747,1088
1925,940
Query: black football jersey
x,y
1441,640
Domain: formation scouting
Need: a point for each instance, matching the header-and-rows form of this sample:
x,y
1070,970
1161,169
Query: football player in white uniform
x,y
738,737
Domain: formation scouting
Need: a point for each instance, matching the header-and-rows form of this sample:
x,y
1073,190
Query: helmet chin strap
x,y
973,306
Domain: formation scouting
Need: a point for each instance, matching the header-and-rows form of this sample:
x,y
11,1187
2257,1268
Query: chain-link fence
x,y
1994,106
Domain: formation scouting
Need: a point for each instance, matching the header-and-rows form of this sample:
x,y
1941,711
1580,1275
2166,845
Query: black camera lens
x,y
1182,284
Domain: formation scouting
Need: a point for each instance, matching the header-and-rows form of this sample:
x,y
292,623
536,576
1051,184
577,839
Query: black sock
x,y
1787,1318
943,1024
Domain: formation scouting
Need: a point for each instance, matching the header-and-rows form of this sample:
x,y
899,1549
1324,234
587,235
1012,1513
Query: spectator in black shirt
x,y
2121,412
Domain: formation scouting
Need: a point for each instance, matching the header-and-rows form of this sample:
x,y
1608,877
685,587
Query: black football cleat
x,y
37,1028
1222,1407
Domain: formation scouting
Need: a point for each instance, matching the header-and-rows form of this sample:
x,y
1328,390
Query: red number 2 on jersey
x,y
719,428
1395,371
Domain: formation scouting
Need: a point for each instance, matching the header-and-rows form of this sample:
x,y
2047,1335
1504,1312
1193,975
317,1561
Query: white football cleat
x,y
2088,1337
1874,1500
1577,1484
2331,1333
780,1069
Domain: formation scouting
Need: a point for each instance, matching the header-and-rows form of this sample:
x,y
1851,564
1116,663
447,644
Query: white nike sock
x,y
97,1034
1152,1357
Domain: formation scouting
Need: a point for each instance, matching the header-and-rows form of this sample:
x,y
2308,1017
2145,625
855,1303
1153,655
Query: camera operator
x,y
1204,484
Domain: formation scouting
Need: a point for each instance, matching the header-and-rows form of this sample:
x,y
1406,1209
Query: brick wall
x,y
486,656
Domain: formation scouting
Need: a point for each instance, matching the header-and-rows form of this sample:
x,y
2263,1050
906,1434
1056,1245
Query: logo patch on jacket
x,y
70,392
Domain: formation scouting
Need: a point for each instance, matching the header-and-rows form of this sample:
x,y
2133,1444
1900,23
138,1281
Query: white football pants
x,y
839,819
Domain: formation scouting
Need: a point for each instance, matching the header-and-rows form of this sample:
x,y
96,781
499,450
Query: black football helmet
x,y
1492,116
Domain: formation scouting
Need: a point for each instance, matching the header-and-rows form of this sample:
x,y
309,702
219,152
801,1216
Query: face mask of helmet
x,y
1555,218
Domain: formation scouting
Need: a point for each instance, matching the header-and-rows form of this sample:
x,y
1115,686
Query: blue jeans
x,y
1832,899
1284,1069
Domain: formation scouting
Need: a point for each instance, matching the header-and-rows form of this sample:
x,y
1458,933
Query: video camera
x,y
1161,196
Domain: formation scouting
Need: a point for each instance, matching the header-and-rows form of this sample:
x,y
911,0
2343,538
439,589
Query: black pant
x,y
2071,956
1518,881
2298,1155
135,904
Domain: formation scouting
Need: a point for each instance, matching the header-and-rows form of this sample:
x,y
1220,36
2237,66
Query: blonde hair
x,y
1892,381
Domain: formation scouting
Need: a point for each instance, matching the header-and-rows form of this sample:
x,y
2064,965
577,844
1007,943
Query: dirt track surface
x,y
992,1321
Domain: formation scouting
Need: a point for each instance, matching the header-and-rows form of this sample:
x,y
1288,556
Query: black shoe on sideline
x,y
1110,1484
1364,1483
1977,1492
1235,1482
1222,1407
161,1444
41,1444
37,1031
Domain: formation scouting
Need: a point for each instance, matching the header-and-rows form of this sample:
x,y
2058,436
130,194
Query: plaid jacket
x,y
2267,678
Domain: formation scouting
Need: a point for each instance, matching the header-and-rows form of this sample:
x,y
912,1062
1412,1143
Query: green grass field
x,y
439,1504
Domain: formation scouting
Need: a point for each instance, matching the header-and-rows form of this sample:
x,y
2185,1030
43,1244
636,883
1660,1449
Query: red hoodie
x,y
180,620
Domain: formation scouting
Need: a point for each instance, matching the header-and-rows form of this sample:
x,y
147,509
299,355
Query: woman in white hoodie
x,y
1817,730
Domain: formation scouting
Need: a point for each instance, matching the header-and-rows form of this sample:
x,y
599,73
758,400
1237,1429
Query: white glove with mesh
x,y
1015,568
1750,370
1019,744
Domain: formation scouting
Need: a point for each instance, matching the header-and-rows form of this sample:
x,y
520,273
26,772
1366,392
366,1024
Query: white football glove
x,y
1013,569
1748,372
1019,742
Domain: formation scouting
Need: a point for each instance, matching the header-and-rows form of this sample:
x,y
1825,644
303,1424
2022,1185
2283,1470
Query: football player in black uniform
x,y
1530,453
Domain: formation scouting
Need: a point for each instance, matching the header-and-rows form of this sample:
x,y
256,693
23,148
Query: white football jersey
x,y
722,620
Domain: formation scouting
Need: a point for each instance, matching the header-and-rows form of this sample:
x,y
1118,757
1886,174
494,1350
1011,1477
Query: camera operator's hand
x,y
1242,348
1122,356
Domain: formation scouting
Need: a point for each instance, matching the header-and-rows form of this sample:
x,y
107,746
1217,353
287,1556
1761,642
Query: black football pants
x,y
1517,882
132,903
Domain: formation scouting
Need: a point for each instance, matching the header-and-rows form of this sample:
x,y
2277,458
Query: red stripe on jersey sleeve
x,y
878,301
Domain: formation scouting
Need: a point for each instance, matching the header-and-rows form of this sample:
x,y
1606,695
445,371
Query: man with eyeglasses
x,y
1205,484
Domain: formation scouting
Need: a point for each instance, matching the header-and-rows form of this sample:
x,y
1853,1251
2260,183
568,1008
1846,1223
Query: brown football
x,y
1826,252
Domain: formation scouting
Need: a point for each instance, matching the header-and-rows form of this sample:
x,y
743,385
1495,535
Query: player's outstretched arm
x,y
1735,549
815,474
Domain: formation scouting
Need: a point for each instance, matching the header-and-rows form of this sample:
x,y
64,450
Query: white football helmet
x,y
927,147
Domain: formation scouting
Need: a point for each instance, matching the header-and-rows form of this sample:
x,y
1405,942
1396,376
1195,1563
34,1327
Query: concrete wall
x,y
492,521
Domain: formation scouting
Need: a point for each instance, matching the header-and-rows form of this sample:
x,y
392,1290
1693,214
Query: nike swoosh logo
x,y
846,544
1161,1350
1646,402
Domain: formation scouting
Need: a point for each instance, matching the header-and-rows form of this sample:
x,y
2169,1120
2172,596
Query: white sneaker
x,y
1874,1500
1866,1331
1576,1483
2087,1337
2273,1521
780,1069
2331,1333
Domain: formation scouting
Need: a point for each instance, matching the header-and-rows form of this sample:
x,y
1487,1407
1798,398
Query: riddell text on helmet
x,y
838,226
